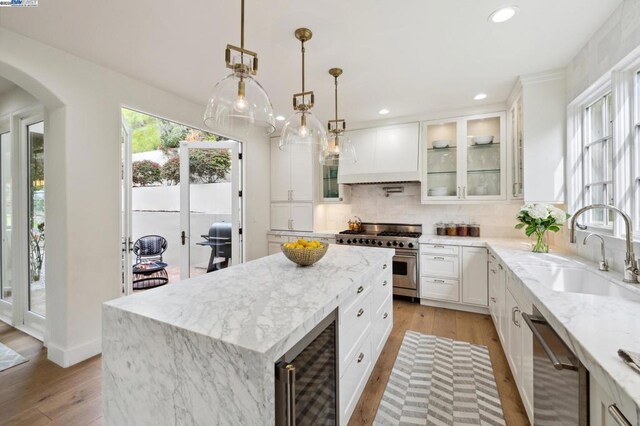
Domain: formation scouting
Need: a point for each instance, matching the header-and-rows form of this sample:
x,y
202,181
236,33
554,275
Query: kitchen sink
x,y
579,280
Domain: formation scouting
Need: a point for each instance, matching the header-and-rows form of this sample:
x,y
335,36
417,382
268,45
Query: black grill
x,y
219,239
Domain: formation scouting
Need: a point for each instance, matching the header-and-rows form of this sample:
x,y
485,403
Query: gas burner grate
x,y
350,232
399,234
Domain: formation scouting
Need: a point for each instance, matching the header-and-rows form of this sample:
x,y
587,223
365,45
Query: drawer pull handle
x,y
493,271
360,289
439,281
618,416
360,357
384,283
493,299
500,266
360,312
384,266
385,315
438,246
438,258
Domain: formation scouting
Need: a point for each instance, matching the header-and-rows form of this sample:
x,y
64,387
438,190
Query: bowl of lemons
x,y
303,252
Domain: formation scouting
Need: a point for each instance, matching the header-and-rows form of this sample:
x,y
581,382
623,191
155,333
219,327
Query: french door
x,y
181,207
22,221
204,204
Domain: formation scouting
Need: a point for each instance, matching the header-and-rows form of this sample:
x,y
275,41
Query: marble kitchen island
x,y
202,351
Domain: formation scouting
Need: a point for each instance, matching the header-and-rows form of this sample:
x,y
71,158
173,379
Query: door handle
x,y
360,357
557,364
360,289
183,237
459,192
618,416
385,315
384,283
287,375
360,312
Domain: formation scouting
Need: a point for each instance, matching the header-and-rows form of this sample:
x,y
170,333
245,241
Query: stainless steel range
x,y
401,237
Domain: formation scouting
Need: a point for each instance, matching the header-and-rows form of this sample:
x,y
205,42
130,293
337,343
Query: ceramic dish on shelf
x,y
439,191
482,140
442,143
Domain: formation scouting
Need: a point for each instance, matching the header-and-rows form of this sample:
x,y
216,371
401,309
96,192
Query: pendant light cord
x,y
302,43
336,99
242,24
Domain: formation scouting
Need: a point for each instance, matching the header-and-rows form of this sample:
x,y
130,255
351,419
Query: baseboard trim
x,y
68,357
455,306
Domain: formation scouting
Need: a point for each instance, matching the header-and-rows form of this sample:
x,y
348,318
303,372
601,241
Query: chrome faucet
x,y
603,265
630,262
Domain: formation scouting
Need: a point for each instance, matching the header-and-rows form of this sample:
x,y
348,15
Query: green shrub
x,y
171,171
146,172
209,165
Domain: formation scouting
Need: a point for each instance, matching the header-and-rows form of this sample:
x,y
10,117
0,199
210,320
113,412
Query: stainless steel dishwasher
x,y
560,381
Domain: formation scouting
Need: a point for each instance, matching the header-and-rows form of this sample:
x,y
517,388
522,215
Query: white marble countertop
x,y
258,304
314,234
593,326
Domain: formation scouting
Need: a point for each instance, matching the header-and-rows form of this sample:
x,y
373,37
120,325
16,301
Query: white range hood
x,y
385,154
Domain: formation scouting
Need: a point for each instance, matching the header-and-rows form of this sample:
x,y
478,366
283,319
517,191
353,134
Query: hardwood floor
x,y
464,326
39,392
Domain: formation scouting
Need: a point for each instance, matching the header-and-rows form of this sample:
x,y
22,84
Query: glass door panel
x,y
37,286
210,206
441,160
484,172
6,285
330,187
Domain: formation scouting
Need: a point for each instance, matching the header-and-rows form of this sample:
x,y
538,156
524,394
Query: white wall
x,y
370,204
14,100
83,101
619,35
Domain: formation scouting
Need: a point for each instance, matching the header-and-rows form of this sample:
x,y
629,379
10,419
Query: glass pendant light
x,y
340,149
239,105
303,131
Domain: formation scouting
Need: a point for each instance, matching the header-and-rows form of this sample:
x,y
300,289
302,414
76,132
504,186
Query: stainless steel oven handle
x,y
291,394
557,364
618,416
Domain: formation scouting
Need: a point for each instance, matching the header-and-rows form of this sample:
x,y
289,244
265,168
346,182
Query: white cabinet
x,y
292,217
385,154
537,136
606,411
291,174
497,283
453,274
474,276
464,159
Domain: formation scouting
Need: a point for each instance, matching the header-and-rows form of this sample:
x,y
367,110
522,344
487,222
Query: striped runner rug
x,y
439,381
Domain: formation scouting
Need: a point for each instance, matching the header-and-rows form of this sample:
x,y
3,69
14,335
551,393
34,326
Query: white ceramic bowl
x,y
482,140
442,143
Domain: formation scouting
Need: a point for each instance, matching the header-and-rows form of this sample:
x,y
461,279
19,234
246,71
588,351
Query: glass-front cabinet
x,y
330,187
517,150
464,159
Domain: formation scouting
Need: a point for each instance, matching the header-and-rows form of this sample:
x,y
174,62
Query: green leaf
x,y
554,228
520,225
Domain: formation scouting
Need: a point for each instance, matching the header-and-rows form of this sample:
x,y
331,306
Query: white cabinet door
x,y
302,170
474,275
397,148
280,215
439,266
526,361
503,322
302,216
280,172
492,287
514,337
364,142
274,248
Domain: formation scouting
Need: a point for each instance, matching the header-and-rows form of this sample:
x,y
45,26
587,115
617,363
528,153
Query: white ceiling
x,y
410,56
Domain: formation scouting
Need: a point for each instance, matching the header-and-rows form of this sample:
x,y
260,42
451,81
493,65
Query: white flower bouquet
x,y
537,219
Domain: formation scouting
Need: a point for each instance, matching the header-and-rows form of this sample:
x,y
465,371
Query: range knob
x,y
401,245
360,240
366,241
388,244
410,245
395,243
373,242
348,241
379,243
341,241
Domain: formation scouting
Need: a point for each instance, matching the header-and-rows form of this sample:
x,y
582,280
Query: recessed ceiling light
x,y
480,96
383,111
503,14
280,118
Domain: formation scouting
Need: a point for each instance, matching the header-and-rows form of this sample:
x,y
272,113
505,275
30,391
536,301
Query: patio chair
x,y
149,270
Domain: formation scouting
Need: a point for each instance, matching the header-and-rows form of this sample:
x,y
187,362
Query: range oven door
x,y
405,273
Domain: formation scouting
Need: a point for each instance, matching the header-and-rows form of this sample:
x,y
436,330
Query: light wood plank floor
x,y
39,392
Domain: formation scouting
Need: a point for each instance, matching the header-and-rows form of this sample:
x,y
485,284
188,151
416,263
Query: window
x,y
598,159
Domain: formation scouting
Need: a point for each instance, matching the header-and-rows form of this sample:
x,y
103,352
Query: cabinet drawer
x,y
440,266
277,239
441,289
382,289
354,379
355,325
439,249
357,294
